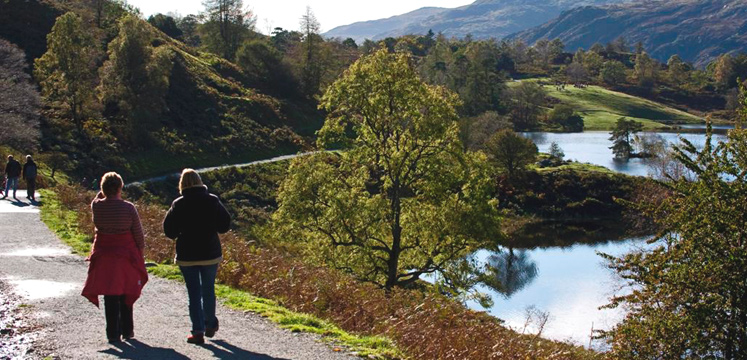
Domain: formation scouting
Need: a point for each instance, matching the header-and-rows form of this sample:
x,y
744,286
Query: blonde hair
x,y
111,183
190,178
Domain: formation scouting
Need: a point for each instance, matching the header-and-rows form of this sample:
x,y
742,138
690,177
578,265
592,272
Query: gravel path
x,y
213,168
43,273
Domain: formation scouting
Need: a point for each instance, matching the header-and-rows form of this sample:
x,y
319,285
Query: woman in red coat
x,y
117,270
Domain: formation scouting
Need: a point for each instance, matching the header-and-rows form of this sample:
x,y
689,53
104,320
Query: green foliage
x,y
404,199
593,63
570,191
567,118
167,24
66,72
228,25
677,70
527,100
556,152
689,288
622,146
511,152
474,132
613,72
265,65
135,78
645,70
471,69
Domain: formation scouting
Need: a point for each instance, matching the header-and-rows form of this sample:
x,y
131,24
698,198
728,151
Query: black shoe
x,y
210,332
196,339
129,336
115,340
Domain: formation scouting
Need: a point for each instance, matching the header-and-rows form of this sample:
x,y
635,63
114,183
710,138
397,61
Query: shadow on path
x,y
224,350
134,349
17,202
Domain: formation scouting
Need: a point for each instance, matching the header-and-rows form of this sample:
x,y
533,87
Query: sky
x,y
286,13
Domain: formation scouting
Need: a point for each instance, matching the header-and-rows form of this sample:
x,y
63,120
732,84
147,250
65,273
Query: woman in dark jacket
x,y
194,220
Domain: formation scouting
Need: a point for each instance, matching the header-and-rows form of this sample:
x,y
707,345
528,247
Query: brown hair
x,y
111,183
190,178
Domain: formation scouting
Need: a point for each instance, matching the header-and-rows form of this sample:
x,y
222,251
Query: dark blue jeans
x,y
200,282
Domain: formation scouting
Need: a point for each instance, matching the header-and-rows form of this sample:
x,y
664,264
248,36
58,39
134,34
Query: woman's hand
x,y
100,195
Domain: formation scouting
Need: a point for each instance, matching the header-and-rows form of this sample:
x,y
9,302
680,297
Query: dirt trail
x,y
48,279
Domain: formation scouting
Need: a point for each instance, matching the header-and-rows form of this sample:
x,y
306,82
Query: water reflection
x,y
554,267
509,271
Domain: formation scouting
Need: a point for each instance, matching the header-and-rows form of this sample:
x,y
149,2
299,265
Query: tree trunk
x,y
393,263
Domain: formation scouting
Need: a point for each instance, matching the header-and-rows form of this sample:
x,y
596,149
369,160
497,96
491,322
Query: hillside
x,y
696,30
214,112
601,108
482,19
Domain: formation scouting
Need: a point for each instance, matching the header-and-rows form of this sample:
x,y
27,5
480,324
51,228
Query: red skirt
x,y
116,268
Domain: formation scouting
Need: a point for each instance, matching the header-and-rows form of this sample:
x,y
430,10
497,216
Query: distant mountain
x,y
369,29
696,30
482,19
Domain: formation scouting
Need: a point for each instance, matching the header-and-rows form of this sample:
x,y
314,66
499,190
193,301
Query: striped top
x,y
114,216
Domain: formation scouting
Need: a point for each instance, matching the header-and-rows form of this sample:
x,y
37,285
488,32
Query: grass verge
x,y
64,223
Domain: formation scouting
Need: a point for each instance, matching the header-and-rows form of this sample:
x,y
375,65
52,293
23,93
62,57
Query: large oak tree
x,y
403,199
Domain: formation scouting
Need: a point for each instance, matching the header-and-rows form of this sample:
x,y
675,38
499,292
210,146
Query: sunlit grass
x,y
601,108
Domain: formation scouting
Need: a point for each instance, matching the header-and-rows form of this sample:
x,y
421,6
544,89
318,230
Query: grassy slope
x,y
601,108
216,113
64,223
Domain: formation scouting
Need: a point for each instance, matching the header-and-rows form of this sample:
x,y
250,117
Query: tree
x,y
435,67
189,25
167,24
66,72
677,70
613,72
689,287
483,83
597,48
723,71
621,137
511,152
311,73
475,131
593,63
526,106
135,78
620,45
20,101
556,152
261,61
576,72
403,199
350,43
567,118
645,70
227,26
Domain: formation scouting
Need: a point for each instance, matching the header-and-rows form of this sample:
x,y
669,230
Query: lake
x,y
593,147
562,274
